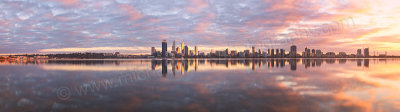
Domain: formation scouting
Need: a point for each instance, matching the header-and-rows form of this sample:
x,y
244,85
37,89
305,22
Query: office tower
x,y
196,51
153,51
227,51
259,51
277,53
191,52
272,53
318,53
233,53
178,49
293,51
282,53
268,51
366,52
307,52
186,51
359,53
253,50
173,46
312,52
164,49
247,52
183,47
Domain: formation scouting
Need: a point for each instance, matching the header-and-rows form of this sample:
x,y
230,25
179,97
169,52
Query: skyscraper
x,y
293,51
186,51
359,53
178,50
307,52
153,50
282,53
173,46
183,47
312,52
253,49
164,49
277,53
272,53
196,51
227,51
366,52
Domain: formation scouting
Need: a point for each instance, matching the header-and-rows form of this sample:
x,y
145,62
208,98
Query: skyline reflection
x,y
305,85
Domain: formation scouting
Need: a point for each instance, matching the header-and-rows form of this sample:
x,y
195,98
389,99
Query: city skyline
x,y
130,27
261,52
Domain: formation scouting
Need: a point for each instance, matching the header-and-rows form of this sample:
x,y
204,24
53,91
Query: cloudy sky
x,y
133,26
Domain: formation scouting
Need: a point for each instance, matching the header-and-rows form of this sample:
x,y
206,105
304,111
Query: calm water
x,y
216,85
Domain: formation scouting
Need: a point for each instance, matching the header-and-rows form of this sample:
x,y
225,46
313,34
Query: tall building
x,y
277,53
153,50
183,47
196,51
227,51
359,53
366,52
282,53
318,53
164,49
178,50
272,53
293,51
253,49
173,46
247,52
312,52
186,51
307,52
269,52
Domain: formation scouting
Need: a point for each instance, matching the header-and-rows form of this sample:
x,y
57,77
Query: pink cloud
x,y
131,11
196,6
68,2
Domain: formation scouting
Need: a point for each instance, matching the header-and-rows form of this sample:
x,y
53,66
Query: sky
x,y
134,26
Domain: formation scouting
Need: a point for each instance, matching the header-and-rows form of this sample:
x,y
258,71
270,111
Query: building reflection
x,y
187,65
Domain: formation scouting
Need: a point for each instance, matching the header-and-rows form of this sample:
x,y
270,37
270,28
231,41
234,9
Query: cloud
x,y
27,26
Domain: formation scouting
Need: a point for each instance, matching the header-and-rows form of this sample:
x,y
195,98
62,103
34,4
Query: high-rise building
x,y
173,46
153,50
272,53
164,49
282,53
366,52
269,52
307,52
186,51
312,52
247,52
233,53
227,51
318,53
293,51
196,51
359,53
253,50
183,47
178,49
277,53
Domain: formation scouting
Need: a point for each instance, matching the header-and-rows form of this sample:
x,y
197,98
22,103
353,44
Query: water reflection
x,y
307,85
